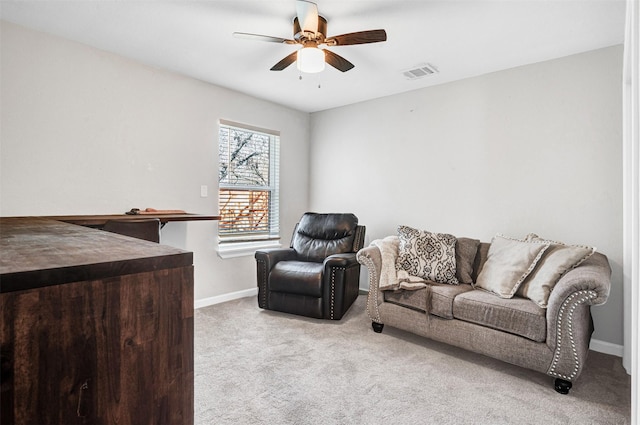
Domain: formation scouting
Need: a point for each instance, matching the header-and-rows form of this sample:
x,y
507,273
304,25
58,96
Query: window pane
x,y
248,198
244,212
244,157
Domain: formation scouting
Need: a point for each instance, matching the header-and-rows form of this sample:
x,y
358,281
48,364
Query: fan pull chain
x,y
300,78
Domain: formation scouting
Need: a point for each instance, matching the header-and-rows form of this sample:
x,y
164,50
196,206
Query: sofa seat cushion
x,y
516,315
416,300
442,296
297,277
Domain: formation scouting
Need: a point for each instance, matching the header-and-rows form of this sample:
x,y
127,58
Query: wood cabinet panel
x,y
106,351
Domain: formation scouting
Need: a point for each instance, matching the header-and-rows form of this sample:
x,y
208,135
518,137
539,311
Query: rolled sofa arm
x,y
569,325
371,258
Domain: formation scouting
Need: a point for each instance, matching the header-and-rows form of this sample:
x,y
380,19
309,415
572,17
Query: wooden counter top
x,y
100,220
38,252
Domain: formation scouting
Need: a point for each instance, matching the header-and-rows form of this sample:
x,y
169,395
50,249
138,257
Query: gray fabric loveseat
x,y
526,302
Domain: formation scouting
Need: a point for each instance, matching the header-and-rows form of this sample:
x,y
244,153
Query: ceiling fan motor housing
x,y
302,36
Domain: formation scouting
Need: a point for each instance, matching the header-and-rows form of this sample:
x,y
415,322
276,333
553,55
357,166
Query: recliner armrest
x,y
346,259
271,256
340,283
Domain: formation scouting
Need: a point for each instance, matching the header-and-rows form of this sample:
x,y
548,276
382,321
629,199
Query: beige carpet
x,y
260,367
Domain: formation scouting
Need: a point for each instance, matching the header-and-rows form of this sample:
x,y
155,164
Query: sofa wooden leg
x,y
377,327
562,386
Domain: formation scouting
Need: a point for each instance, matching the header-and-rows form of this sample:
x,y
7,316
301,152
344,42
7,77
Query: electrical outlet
x,y
203,191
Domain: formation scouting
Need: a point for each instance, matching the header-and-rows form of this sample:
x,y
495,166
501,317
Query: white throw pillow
x,y
555,262
509,262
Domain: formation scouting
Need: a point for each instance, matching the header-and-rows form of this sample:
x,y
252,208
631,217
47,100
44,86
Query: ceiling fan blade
x,y
288,60
307,15
361,37
259,37
337,61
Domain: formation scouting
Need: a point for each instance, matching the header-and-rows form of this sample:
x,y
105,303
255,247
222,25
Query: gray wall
x,y
531,149
89,132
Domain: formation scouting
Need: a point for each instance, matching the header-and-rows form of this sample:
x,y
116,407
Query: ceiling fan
x,y
310,30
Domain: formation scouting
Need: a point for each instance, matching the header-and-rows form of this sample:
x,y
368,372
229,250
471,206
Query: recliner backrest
x,y
319,235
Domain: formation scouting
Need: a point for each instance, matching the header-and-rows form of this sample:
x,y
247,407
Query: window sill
x,y
242,249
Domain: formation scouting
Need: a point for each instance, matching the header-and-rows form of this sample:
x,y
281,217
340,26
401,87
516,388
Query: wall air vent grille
x,y
419,71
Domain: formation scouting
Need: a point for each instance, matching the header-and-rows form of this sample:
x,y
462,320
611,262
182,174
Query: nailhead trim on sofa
x,y
373,287
570,304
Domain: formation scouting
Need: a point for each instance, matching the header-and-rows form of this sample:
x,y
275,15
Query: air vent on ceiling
x,y
419,71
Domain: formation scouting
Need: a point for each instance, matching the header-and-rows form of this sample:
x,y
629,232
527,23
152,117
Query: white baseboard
x,y
606,347
205,302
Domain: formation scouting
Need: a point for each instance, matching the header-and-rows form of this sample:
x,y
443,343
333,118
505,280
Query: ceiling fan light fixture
x,y
310,60
310,30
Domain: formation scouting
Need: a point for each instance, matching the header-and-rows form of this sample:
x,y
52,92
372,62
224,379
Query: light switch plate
x,y
203,191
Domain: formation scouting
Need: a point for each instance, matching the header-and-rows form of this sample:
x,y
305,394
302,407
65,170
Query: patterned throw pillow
x,y
431,256
556,261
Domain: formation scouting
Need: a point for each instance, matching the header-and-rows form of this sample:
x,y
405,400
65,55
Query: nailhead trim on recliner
x,y
264,282
569,304
333,289
358,240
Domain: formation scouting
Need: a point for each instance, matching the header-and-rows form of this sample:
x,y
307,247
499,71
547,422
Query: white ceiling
x,y
460,38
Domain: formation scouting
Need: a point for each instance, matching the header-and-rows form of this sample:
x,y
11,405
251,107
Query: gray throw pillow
x,y
466,250
431,256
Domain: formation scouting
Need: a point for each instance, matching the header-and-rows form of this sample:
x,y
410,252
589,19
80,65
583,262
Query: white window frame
x,y
237,246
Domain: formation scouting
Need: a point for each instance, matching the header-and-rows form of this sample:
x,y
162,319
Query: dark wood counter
x,y
39,252
95,327
100,220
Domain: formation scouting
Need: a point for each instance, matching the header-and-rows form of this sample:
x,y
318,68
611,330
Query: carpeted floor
x,y
261,367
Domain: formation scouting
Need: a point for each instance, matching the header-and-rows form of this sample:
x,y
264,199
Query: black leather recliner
x,y
318,276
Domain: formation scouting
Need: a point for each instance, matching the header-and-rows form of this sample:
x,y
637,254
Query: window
x,y
248,185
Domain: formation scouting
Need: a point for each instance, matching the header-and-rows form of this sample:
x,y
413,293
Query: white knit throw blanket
x,y
390,278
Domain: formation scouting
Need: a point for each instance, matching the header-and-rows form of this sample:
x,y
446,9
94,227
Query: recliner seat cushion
x,y
297,277
515,315
318,236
